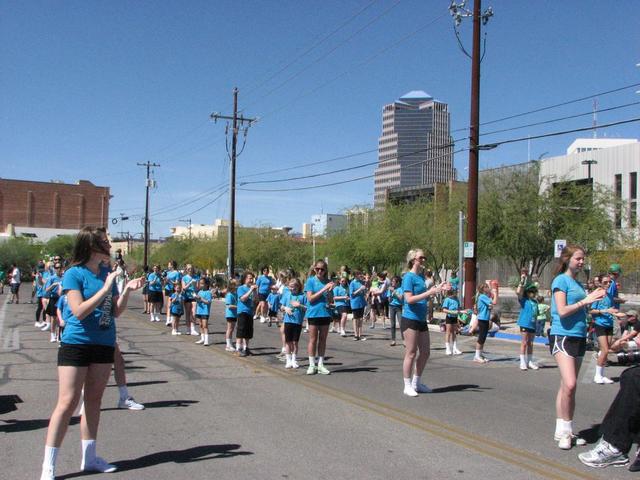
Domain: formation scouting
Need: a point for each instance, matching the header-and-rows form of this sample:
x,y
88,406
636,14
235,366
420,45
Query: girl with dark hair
x,y
414,322
145,291
203,309
263,283
230,313
189,283
395,306
86,352
341,298
246,295
567,341
171,279
486,300
527,297
294,305
319,291
154,286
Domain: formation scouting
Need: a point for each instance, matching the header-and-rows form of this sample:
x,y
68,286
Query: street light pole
x,y
588,163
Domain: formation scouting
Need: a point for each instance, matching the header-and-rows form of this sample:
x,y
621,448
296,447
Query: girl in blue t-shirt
x,y
527,294
567,341
294,304
154,293
247,293
231,313
177,308
414,322
86,351
273,300
203,309
189,285
319,291
264,283
486,300
451,308
357,298
604,313
396,298
171,279
341,299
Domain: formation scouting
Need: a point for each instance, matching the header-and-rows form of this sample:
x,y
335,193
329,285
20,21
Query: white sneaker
x,y
206,342
130,404
409,391
448,351
533,366
288,365
565,441
167,323
421,388
579,441
98,465
306,330
523,366
38,324
457,352
175,332
263,320
602,380
48,473
229,349
200,342
331,329
194,331
54,338
294,364
343,333
45,327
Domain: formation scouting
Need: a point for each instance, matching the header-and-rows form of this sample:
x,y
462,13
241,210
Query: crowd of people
x,y
78,301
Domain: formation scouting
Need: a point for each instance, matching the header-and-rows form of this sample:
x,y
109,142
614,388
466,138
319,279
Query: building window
x,y
618,193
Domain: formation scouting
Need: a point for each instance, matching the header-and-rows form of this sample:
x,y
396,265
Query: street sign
x,y
558,245
469,249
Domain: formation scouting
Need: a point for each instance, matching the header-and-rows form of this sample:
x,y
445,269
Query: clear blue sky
x,y
90,88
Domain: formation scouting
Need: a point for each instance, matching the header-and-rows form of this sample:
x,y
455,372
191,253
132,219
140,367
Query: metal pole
x,y
146,221
460,251
232,189
474,137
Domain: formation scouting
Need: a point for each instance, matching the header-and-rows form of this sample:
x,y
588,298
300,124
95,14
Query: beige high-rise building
x,y
415,147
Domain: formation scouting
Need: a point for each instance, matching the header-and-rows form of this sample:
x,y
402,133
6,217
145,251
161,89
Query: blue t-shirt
x,y
318,308
397,297
528,312
264,283
247,306
88,331
189,291
230,299
274,301
177,306
339,291
298,313
55,281
41,280
484,307
574,325
416,285
203,308
155,282
62,303
612,292
603,319
356,300
451,303
173,277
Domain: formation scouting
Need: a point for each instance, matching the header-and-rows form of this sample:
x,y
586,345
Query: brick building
x,y
46,209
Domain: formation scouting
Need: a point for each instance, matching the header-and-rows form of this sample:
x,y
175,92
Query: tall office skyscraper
x,y
415,146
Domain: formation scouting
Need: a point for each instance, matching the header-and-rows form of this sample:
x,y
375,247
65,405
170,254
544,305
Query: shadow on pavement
x,y
160,404
591,435
141,384
13,426
8,403
194,454
355,369
460,388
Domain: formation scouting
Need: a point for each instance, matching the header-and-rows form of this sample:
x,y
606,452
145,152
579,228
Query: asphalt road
x,y
211,414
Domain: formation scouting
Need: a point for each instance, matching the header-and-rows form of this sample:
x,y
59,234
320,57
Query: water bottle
x,y
107,312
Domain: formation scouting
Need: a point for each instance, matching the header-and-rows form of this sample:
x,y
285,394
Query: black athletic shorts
x,y
51,307
167,293
15,288
407,324
245,326
319,321
155,297
145,290
571,346
231,319
340,310
262,297
292,332
483,331
527,330
603,331
451,320
358,313
273,313
81,355
200,316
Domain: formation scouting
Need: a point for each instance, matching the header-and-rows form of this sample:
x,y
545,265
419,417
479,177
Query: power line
x,y
489,146
196,210
549,107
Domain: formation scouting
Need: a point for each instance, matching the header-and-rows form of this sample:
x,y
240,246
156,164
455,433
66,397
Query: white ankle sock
x,y
478,353
288,357
50,456
293,357
407,382
321,361
559,425
124,392
523,360
566,426
599,371
88,451
455,345
229,342
415,380
312,361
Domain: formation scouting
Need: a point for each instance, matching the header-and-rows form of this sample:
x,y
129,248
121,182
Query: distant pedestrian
x,y
230,313
14,283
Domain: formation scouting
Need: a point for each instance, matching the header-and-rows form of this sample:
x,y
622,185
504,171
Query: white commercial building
x,y
612,163
326,224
